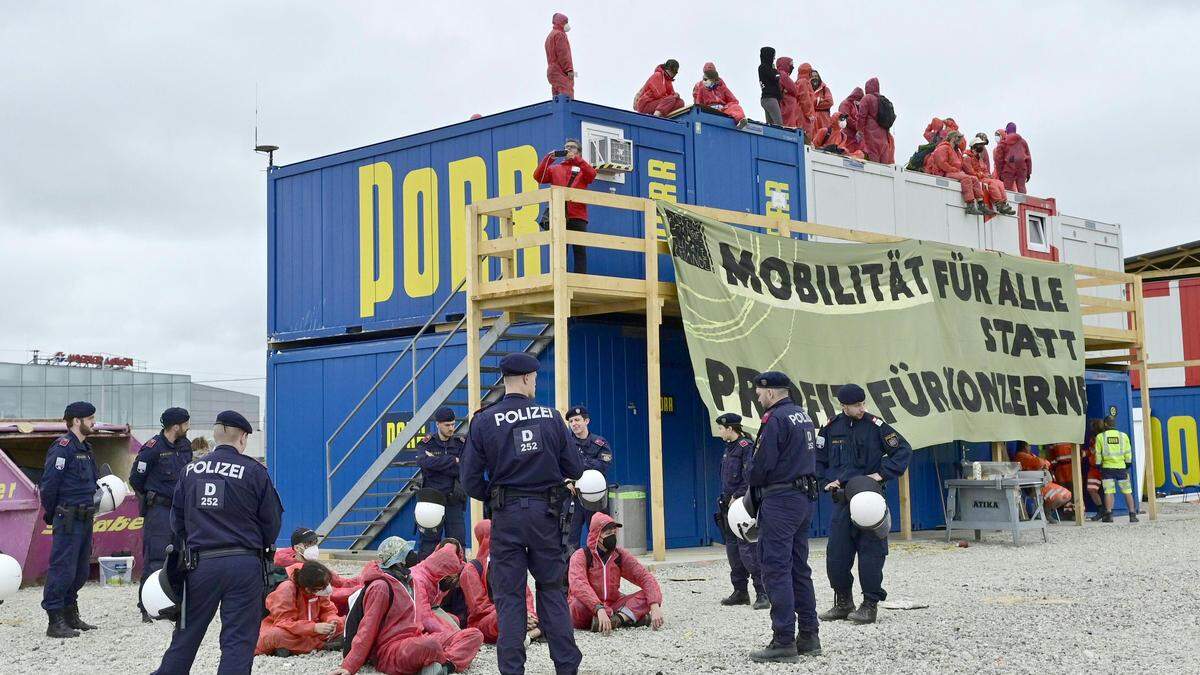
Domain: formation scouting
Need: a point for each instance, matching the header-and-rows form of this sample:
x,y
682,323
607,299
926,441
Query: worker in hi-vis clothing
x,y
1115,454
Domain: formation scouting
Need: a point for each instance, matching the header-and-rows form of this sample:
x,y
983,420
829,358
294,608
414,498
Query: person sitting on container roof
x,y
946,160
304,547
657,97
595,578
712,92
975,162
574,172
300,617
834,138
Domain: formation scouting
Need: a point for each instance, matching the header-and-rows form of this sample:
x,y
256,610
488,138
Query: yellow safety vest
x,y
1114,449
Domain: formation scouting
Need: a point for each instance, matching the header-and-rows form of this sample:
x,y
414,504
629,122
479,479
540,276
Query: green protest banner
x,y
948,342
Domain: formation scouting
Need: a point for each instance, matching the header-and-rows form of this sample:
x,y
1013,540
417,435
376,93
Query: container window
x,y
1035,232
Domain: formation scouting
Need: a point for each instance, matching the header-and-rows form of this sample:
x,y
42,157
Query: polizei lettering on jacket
x,y
523,414
219,468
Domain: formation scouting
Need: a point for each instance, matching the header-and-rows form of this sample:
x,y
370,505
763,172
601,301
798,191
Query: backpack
x,y
355,615
917,161
886,116
275,576
474,562
587,553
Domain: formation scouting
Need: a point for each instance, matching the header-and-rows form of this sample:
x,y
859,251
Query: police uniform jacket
x,y
518,444
734,465
159,465
437,461
595,452
69,477
783,451
226,500
861,447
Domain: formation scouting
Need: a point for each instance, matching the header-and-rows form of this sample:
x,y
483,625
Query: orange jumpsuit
x,y
1053,495
946,161
977,165
293,612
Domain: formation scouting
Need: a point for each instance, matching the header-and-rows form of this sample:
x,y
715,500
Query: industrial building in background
x,y
367,254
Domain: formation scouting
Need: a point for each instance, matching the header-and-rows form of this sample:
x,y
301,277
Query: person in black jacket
x,y
768,79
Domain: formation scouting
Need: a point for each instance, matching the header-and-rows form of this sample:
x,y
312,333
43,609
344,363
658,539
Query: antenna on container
x,y
259,148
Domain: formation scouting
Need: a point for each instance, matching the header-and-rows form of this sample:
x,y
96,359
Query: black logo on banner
x,y
687,240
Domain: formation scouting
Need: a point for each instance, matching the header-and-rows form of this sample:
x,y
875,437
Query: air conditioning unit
x,y
611,154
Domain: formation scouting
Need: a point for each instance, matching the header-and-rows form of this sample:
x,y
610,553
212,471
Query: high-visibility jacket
x,y
1114,449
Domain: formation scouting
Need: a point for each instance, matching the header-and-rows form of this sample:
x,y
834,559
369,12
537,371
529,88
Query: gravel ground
x,y
1077,604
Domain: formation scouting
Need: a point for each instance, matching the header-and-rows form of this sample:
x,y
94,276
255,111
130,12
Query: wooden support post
x,y
653,384
999,451
474,323
562,300
1077,482
1148,477
905,507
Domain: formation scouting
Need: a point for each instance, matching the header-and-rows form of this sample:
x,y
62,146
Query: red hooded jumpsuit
x,y
977,165
1014,165
481,613
789,105
823,103
293,612
343,587
834,134
601,583
658,94
806,100
440,564
877,142
849,108
946,160
717,96
391,638
559,67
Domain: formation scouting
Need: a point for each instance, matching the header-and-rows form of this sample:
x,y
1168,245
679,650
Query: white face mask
x,y
325,592
842,124
312,553
566,28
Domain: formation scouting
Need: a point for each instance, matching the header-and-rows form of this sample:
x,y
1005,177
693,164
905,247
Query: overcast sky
x,y
133,211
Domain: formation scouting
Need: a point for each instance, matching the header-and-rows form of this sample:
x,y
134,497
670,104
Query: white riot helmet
x,y
156,594
740,521
430,509
10,576
593,490
868,506
110,492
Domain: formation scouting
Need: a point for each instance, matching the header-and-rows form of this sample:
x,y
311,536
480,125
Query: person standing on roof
x,y
657,97
712,92
560,69
822,102
789,104
874,122
1014,164
572,171
806,102
768,81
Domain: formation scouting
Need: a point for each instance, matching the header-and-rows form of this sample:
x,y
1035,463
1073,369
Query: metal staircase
x,y
383,489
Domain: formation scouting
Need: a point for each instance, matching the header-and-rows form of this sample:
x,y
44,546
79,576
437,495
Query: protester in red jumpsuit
x,y
343,587
789,105
1014,164
713,93
657,97
300,618
390,635
807,101
975,162
834,137
822,102
595,576
849,108
560,70
946,160
481,612
432,579
877,142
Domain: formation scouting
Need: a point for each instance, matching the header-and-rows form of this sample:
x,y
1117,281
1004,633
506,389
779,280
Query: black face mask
x,y
609,542
447,584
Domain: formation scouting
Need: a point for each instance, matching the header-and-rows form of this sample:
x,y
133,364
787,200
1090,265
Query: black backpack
x,y
355,615
917,161
887,114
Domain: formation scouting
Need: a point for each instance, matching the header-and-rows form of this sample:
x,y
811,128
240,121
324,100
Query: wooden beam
x,y
474,355
905,507
517,301
608,241
658,521
608,199
1112,275
508,287
638,306
1116,358
492,247
1077,483
1112,334
562,302
1088,282
1110,303
498,205
1148,480
999,451
1181,272
1190,363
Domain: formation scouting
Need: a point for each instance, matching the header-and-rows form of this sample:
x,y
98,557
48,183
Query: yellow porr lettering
x,y
1186,427
521,161
421,268
772,187
661,170
468,171
374,289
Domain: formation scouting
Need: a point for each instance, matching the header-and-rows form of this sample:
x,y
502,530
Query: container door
x,y
777,193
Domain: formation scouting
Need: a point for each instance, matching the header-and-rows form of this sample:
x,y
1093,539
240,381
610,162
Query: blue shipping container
x,y
374,238
1173,436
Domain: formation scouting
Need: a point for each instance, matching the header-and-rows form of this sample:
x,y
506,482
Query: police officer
x,y
225,513
158,466
596,454
856,443
438,455
742,555
67,491
781,474
524,450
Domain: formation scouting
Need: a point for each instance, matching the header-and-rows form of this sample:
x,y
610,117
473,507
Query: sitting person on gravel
x,y
481,612
595,576
304,547
301,618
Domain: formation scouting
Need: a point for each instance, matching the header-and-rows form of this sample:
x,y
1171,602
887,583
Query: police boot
x,y
57,627
738,597
808,644
776,653
843,604
865,612
971,210
761,601
71,614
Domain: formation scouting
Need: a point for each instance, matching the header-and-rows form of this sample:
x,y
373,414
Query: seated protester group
x,y
481,612
595,575
300,616
304,547
384,629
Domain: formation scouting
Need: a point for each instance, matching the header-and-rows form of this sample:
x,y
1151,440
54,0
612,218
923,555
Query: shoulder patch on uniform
x,y
878,422
152,442
606,457
64,442
765,417
601,442
428,437
745,442
141,467
892,440
60,462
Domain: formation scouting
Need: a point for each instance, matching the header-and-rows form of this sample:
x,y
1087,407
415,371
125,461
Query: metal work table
x,y
994,504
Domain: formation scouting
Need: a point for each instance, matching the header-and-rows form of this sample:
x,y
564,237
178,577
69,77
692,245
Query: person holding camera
x,y
572,171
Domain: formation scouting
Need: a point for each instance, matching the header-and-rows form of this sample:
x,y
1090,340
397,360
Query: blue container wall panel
x,y
374,238
1173,437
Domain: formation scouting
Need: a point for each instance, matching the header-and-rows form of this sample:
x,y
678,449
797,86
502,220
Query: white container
x,y
116,570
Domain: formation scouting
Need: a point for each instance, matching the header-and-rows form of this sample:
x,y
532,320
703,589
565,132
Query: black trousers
x,y
579,253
